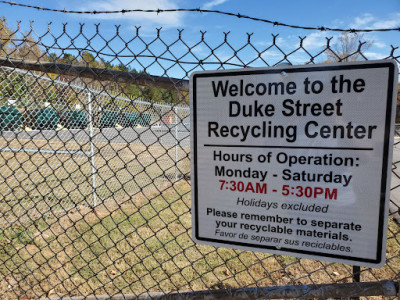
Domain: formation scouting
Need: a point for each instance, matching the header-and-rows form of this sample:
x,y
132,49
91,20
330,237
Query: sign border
x,y
390,64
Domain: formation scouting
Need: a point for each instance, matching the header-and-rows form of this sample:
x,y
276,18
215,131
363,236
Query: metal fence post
x,y
92,154
356,278
176,143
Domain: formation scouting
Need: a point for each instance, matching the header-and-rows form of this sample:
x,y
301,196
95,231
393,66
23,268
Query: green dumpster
x,y
10,118
108,119
30,117
133,119
42,119
76,119
130,120
47,119
144,119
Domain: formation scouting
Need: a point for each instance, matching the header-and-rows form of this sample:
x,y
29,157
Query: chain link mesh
x,y
95,168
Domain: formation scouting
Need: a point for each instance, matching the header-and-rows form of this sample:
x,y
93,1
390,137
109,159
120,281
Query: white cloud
x,y
315,40
380,44
374,55
262,43
272,54
387,24
281,42
166,19
213,3
362,21
200,50
299,59
368,21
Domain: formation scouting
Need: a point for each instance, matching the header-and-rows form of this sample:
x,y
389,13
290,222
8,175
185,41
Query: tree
x,y
6,34
122,67
88,59
29,49
52,57
69,59
348,48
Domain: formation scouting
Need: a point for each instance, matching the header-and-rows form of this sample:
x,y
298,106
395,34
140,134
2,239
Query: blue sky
x,y
338,13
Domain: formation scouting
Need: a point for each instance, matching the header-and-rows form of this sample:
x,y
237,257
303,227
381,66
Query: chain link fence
x,y
75,129
95,174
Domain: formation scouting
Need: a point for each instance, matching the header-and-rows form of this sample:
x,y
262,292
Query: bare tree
x,y
349,47
6,34
29,49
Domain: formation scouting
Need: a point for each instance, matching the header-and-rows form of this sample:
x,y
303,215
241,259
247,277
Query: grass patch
x,y
137,240
144,245
34,184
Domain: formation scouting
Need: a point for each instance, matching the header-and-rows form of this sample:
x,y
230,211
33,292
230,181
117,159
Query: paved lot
x,y
169,137
165,136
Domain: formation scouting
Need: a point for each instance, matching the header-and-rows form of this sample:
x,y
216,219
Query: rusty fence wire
x,y
95,172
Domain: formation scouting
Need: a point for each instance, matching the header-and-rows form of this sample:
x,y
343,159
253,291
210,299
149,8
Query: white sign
x,y
294,160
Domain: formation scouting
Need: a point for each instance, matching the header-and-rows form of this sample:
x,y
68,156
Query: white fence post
x,y
92,154
176,144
